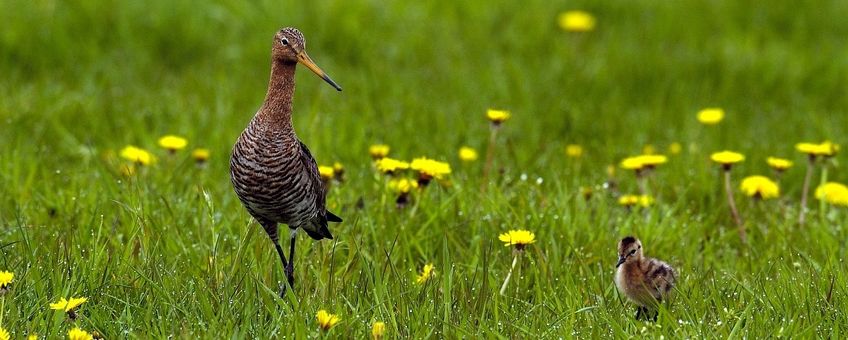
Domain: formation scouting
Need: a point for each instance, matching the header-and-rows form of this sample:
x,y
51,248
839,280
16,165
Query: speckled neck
x,y
276,111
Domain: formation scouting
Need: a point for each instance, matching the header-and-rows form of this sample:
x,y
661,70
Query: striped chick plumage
x,y
643,280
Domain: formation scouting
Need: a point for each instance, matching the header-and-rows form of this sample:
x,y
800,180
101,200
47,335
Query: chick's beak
x,y
621,260
304,59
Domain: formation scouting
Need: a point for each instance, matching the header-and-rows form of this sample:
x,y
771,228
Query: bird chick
x,y
644,281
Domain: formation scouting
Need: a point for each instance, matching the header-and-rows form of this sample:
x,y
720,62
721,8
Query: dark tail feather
x,y
320,232
326,232
333,218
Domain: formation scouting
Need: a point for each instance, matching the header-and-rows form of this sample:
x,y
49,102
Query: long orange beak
x,y
304,59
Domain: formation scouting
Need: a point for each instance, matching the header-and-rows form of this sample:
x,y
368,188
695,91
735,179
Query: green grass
x,y
170,250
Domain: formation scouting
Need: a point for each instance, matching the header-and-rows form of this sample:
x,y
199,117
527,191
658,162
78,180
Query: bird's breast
x,y
270,180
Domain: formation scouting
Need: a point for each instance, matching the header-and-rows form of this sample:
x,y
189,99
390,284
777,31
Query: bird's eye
x,y
633,252
285,41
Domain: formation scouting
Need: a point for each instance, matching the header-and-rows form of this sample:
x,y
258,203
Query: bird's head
x,y
290,47
629,249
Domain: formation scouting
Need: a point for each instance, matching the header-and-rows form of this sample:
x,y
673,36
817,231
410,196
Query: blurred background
x,y
82,74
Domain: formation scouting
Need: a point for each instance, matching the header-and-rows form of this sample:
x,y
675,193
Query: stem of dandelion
x,y
807,178
2,309
509,275
518,276
640,180
730,201
490,155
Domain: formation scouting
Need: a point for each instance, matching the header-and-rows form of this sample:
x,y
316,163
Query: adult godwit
x,y
645,281
273,173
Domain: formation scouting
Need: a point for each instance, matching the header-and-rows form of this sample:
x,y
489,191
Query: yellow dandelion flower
x,y
653,160
573,150
68,305
378,330
5,280
378,151
430,168
137,155
576,21
4,334
643,161
327,320
779,164
467,154
403,185
326,172
808,148
727,158
78,334
632,200
826,148
830,149
173,143
710,116
389,165
628,200
632,163
518,238
675,148
32,336
200,155
833,193
426,274
759,187
497,116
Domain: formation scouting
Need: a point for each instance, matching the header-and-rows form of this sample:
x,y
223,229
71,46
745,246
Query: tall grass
x,y
170,250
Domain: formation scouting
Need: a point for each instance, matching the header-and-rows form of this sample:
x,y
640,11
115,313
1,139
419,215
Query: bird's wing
x,y
314,177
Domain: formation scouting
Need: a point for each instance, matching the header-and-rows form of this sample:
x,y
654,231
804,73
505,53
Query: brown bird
x,y
273,173
645,281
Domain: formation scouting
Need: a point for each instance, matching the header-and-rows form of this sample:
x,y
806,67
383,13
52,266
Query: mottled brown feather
x,y
644,281
272,171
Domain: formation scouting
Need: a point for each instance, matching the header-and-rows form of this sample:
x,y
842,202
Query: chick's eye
x,y
633,252
285,41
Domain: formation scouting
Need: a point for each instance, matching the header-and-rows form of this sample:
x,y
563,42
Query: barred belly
x,y
272,185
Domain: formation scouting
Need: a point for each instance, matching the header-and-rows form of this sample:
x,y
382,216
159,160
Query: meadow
x,y
167,250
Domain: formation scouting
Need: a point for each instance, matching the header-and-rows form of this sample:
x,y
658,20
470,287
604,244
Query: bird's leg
x,y
285,265
639,313
290,266
656,315
271,228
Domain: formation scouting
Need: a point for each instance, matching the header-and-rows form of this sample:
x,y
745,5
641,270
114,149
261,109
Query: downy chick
x,y
645,281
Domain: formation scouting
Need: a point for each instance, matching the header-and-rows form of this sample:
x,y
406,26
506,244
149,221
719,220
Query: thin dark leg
x,y
285,265
639,313
656,315
290,267
271,229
